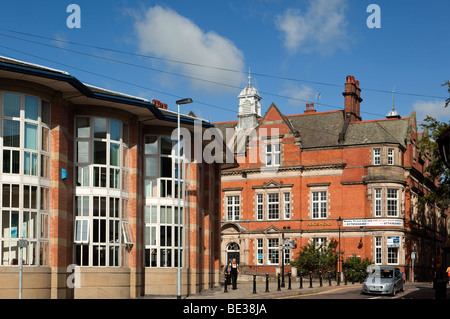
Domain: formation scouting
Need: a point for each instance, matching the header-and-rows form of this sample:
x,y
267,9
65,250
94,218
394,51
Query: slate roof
x,y
322,129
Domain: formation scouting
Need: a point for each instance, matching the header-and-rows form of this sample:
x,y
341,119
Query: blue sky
x,y
204,49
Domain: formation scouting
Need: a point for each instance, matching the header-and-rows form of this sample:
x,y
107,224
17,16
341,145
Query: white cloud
x,y
322,27
166,34
300,96
434,109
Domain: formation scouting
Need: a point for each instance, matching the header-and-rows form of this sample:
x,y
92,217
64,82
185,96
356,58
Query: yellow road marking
x,y
316,293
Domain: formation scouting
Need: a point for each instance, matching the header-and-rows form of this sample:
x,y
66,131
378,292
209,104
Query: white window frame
x,y
273,154
127,238
393,255
273,207
378,202
80,231
392,203
233,207
287,205
377,156
259,251
273,245
391,156
378,251
319,205
259,206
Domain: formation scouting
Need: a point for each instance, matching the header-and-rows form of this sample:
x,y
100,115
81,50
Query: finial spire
x,y
393,91
249,77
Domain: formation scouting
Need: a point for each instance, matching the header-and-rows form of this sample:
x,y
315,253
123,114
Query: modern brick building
x,y
90,181
316,167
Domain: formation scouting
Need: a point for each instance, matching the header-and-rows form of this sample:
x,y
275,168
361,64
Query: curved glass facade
x,y
25,178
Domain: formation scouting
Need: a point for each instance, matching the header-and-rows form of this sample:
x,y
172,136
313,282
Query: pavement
x,y
246,290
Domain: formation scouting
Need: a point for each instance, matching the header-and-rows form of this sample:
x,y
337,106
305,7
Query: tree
x,y
437,173
314,258
354,266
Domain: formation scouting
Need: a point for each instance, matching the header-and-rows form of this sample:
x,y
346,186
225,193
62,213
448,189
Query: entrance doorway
x,y
233,252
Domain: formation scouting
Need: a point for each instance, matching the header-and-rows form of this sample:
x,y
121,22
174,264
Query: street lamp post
x,y
179,102
339,222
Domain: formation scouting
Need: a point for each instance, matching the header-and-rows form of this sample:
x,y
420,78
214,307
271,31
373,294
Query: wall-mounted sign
x,y
373,222
393,241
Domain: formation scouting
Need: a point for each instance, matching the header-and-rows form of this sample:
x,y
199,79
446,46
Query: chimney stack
x,y
310,108
353,99
160,104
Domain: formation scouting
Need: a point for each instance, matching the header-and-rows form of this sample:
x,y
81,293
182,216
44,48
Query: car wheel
x,y
393,291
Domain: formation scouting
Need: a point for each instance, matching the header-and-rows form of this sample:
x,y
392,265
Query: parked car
x,y
384,280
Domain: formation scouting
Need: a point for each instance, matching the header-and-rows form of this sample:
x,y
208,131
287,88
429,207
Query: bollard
x,y
345,277
225,283
254,283
361,277
301,280
353,278
279,283
310,279
289,282
329,278
267,282
339,278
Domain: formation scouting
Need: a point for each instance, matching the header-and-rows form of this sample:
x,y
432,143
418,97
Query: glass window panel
x,y
147,214
151,166
82,152
26,196
114,154
45,166
83,128
166,145
45,139
11,106
31,107
6,232
125,137
114,130
34,164
100,127
99,152
31,136
154,214
26,162
15,196
166,167
45,112
6,195
151,145
11,133
14,224
15,162
6,161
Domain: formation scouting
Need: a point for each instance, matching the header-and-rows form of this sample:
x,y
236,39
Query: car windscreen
x,y
381,273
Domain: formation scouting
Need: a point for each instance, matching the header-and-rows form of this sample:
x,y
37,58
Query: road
x,y
412,291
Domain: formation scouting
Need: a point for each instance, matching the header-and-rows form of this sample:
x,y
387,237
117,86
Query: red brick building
x,y
90,181
316,167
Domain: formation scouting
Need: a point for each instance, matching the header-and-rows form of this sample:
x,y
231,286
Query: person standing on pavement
x,y
234,273
227,272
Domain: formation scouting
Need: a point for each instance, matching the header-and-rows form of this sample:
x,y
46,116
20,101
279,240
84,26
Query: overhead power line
x,y
197,65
